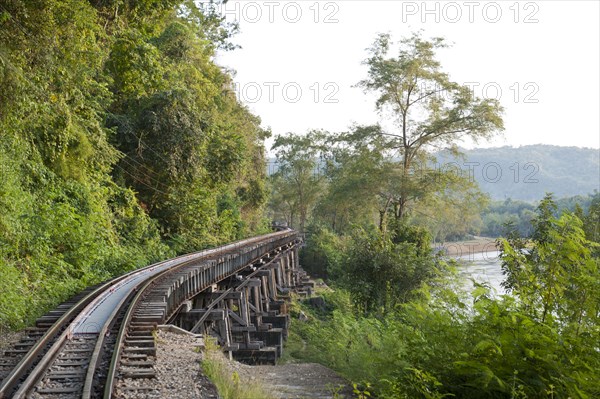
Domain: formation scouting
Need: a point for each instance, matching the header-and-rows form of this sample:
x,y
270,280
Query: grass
x,y
293,349
229,385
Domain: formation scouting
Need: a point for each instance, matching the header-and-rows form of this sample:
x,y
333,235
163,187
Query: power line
x,y
140,181
52,68
155,180
21,27
40,92
147,146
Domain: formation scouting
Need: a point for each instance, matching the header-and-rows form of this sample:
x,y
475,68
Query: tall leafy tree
x,y
359,172
364,176
427,107
191,151
298,181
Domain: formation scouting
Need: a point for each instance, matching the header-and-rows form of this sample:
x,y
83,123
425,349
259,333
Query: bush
x,y
381,273
432,348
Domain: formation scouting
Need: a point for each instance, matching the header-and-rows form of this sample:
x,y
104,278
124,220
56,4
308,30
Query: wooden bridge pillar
x,y
246,311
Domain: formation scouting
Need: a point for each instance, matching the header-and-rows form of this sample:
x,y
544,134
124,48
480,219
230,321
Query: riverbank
x,y
467,247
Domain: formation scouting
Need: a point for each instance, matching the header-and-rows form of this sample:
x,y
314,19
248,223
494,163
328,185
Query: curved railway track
x,y
80,349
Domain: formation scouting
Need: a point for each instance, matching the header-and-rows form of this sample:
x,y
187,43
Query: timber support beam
x,y
247,312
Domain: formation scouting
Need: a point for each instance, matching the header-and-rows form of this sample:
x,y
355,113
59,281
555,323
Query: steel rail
x,y
88,386
36,353
35,362
204,256
112,368
15,380
131,300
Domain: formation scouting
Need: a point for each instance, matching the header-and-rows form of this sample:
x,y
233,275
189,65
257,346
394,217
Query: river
x,y
482,267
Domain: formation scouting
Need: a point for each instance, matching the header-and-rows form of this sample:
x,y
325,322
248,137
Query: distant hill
x,y
524,173
528,172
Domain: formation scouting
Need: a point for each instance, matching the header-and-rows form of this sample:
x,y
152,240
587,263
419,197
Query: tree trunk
x,y
383,214
400,208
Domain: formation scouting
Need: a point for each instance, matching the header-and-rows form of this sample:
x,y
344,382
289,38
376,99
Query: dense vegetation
x,y
122,143
519,214
398,323
540,341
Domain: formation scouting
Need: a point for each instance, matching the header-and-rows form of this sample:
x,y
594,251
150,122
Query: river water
x,y
483,267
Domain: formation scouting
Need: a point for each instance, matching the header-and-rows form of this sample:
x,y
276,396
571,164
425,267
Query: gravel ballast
x,y
178,371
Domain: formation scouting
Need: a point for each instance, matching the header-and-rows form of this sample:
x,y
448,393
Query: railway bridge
x,y
103,338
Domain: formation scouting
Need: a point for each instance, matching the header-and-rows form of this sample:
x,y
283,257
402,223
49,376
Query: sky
x,y
300,60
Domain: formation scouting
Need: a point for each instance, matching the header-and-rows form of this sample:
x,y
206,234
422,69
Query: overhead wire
x,y
153,179
140,181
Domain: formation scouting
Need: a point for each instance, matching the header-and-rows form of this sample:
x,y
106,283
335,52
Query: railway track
x,y
32,335
104,334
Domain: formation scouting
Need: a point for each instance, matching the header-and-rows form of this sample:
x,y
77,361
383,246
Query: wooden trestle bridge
x,y
103,337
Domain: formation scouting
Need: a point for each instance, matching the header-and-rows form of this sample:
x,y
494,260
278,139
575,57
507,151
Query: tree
x,y
453,209
427,107
381,273
297,184
358,172
591,220
192,152
555,275
363,176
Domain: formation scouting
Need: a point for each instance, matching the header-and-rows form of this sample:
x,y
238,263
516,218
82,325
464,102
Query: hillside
x,y
122,143
528,172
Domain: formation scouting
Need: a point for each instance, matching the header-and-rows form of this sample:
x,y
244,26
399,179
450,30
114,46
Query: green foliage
x,y
413,234
431,110
353,178
323,252
381,272
60,236
591,221
434,348
556,275
65,224
360,172
120,136
516,215
297,184
229,384
452,210
437,341
501,217
187,143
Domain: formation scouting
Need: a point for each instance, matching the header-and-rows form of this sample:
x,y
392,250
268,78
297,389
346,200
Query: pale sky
x,y
300,59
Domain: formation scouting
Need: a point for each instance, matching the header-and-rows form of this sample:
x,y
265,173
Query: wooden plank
x,y
197,326
54,391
